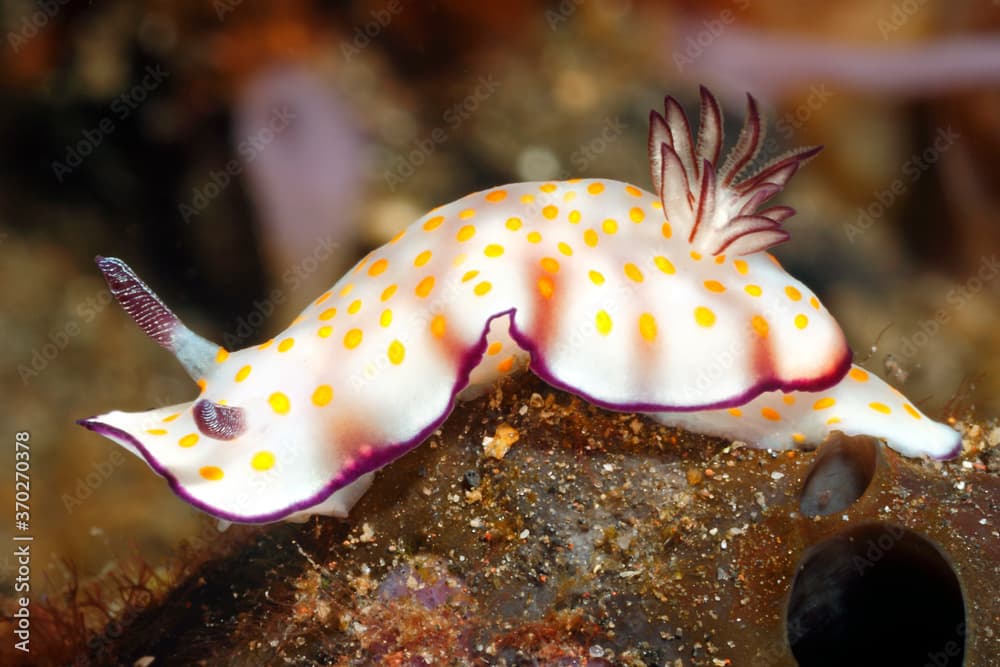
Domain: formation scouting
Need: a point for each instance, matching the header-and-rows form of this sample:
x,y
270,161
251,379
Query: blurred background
x,y
240,155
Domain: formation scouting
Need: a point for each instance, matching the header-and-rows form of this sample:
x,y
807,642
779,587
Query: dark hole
x,y
877,594
842,472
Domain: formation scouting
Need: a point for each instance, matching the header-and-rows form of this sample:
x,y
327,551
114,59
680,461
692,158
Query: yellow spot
x,y
546,287
703,316
211,473
494,348
482,288
610,226
793,293
361,264
170,418
696,256
438,326
647,327
527,199
814,302
297,320
505,365
666,230
424,287
354,307
242,374
633,272
753,290
771,414
328,314
664,264
202,384
460,259
378,267
353,338
736,412
913,412
467,213
388,292
347,289
326,295
569,196
433,223
385,319
422,258
590,238
513,224
398,236
798,438
656,204
263,460
788,399
548,187
801,321
493,250
634,191
534,237
550,211
833,420
565,249
549,264
714,286
774,260
858,375
324,331
741,266
596,277
156,431
221,355
266,344
880,407
760,326
189,440
824,403
595,188
574,216
396,352
636,214
466,233
496,196
279,403
603,323
469,275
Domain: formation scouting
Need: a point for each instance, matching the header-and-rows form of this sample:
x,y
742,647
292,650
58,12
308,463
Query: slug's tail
x,y
158,322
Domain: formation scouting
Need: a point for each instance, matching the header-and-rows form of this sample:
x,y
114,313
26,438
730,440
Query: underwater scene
x,y
570,333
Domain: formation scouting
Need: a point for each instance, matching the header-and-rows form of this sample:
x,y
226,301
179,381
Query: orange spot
x,y
398,236
347,289
438,326
424,287
814,302
211,473
353,338
910,409
633,272
388,292
858,375
714,286
798,438
328,314
736,412
771,414
545,286
465,233
527,199
788,399
467,213
720,259
793,293
266,344
378,267
696,256
741,266
496,196
202,384
595,188
494,348
550,211
326,295
666,230
433,223
824,403
634,191
760,326
636,214
548,187
549,264
221,355
505,365
422,258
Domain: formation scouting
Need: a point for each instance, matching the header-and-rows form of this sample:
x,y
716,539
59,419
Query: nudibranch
x,y
665,303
